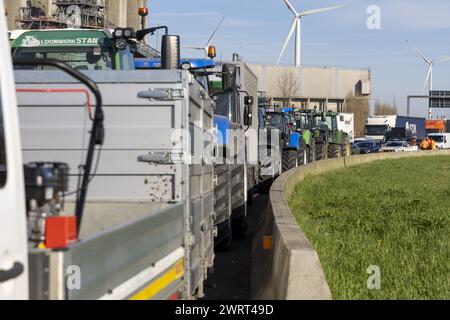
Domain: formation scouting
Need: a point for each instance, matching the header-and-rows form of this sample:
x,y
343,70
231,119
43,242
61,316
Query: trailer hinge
x,y
190,240
161,158
164,94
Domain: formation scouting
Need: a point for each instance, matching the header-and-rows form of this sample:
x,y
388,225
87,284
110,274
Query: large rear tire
x,y
289,160
319,152
334,151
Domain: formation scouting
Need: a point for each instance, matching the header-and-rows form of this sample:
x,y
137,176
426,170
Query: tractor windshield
x,y
79,58
275,120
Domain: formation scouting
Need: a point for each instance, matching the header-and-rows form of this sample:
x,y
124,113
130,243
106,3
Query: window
x,y
376,130
79,58
2,148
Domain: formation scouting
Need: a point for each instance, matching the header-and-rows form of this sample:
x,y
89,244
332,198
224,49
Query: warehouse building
x,y
324,88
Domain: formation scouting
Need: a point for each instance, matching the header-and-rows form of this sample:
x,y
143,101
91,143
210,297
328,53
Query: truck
x,y
437,126
384,128
145,229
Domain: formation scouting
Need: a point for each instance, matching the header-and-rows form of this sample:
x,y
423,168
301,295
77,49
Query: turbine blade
x,y
427,80
215,32
291,7
442,60
419,53
322,10
288,38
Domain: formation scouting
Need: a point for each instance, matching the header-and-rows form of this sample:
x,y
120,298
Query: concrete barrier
x,y
291,268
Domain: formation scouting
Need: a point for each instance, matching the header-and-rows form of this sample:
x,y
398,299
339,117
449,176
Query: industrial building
x,y
326,88
96,13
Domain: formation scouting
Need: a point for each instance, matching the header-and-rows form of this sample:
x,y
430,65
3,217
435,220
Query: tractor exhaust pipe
x,y
170,52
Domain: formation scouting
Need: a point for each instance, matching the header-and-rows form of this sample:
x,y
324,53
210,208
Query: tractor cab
x,y
82,49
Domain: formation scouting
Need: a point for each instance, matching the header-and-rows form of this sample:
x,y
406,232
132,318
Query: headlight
x,y
127,33
118,33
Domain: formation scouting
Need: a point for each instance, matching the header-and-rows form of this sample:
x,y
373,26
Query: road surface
x,y
231,277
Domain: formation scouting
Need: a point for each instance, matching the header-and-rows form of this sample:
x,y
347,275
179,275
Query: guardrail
x,y
284,265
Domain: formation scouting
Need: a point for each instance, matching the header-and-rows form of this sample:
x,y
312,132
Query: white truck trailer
x,y
147,230
382,128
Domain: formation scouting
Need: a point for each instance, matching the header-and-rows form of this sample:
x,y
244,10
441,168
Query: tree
x,y
385,109
359,106
288,86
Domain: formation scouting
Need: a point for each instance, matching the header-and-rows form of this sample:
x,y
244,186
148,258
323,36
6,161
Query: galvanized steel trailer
x,y
148,229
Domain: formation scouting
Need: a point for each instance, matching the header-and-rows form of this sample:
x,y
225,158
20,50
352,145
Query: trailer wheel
x,y
250,197
240,225
225,237
289,160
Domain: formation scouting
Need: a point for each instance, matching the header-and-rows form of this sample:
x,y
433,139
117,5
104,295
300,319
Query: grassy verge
x,y
391,214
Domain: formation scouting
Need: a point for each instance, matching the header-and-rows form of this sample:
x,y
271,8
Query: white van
x,y
442,140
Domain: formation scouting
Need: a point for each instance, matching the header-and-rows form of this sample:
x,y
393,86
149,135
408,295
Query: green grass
x,y
392,214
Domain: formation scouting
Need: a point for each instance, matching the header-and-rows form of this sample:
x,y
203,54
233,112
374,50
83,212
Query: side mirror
x,y
228,77
170,52
249,101
248,116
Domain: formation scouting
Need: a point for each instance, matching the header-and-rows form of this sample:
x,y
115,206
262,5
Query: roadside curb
x,y
291,269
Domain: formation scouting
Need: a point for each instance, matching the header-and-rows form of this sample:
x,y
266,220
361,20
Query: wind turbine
x,y
431,63
205,48
296,26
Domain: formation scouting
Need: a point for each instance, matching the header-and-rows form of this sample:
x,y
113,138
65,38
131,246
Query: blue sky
x,y
257,28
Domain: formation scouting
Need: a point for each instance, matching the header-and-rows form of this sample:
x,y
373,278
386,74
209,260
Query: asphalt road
x,y
231,277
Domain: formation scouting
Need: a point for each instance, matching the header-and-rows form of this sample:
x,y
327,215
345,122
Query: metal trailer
x,y
148,228
248,84
242,147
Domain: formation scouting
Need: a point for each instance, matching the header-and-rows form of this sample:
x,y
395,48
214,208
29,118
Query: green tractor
x,y
304,120
315,133
84,49
338,141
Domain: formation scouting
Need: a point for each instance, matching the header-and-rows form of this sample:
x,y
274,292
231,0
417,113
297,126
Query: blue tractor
x,y
294,148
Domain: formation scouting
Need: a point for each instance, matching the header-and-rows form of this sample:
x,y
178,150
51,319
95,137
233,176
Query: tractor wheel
x,y
289,160
334,151
319,152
